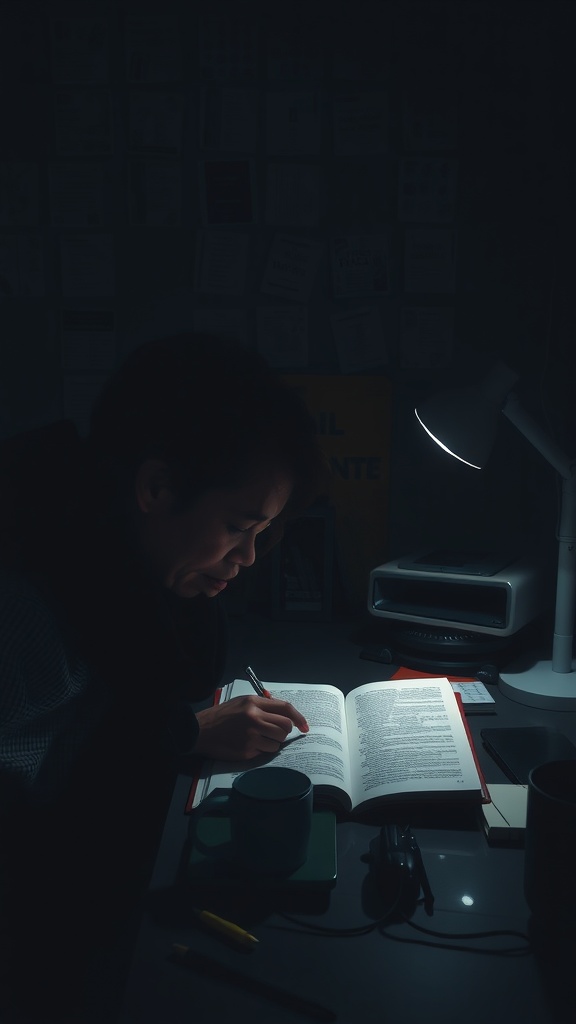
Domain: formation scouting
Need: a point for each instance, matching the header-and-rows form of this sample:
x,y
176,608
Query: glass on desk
x,y
550,845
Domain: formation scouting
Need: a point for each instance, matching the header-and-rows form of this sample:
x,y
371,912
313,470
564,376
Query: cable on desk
x,y
322,930
340,933
512,951
382,922
395,909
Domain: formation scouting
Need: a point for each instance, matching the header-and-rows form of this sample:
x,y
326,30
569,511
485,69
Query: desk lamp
x,y
464,423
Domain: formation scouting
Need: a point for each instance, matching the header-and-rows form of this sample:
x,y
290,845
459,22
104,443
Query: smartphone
x,y
520,749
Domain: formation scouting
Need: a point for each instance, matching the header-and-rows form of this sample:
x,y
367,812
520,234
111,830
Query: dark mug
x,y
270,812
550,843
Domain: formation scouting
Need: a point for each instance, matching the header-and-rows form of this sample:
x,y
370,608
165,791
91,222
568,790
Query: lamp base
x,y
538,686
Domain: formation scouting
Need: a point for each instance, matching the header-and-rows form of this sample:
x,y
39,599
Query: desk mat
x,y
318,872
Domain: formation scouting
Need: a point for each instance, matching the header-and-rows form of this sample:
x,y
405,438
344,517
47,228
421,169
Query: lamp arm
x,y
528,426
566,577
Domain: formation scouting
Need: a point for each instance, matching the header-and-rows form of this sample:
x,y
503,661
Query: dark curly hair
x,y
213,411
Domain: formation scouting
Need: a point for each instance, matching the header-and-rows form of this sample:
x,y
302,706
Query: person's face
x,y
197,551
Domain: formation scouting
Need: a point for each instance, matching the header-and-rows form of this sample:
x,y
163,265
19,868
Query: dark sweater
x,y
99,666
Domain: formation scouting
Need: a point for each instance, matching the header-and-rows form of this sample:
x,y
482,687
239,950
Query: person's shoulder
x,y
32,632
20,595
18,584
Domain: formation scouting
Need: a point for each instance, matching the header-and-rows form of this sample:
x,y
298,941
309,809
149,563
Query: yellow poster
x,y
353,422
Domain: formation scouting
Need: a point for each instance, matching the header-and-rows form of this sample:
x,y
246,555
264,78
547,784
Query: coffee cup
x,y
550,843
270,813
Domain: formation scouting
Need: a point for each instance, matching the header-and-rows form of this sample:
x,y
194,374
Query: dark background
x,y
502,71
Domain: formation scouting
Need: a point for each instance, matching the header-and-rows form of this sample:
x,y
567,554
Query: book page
x,y
322,753
407,737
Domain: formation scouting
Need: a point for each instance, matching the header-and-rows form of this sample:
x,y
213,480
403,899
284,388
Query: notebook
x,y
319,871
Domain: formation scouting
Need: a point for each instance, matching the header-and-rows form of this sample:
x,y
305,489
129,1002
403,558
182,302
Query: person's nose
x,y
244,552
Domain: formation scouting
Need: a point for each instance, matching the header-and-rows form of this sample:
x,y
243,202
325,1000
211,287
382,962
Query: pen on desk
x,y
424,882
222,973
256,684
229,930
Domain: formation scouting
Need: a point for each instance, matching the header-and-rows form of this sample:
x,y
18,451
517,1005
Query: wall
x,y
379,188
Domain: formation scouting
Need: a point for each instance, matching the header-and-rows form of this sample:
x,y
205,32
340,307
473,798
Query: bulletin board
x,y
347,195
353,422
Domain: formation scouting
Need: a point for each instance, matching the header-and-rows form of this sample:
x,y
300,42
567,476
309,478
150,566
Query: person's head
x,y
207,447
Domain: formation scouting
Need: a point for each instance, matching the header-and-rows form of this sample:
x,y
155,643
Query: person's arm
x,y
239,729
183,728
244,727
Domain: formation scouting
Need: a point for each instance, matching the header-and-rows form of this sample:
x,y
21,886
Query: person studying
x,y
114,551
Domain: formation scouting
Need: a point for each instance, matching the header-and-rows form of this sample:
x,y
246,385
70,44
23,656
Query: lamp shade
x,y
464,421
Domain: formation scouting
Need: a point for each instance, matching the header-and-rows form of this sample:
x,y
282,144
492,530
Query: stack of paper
x,y
504,820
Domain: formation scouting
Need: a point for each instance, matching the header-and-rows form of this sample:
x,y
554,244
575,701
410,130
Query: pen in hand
x,y
296,731
256,684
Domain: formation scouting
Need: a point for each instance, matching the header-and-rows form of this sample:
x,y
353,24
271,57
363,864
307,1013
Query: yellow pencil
x,y
225,928
211,968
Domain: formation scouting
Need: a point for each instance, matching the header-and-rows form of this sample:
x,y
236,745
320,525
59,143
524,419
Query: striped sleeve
x,y
48,701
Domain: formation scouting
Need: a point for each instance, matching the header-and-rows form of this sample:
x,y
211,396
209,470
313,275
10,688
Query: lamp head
x,y
464,421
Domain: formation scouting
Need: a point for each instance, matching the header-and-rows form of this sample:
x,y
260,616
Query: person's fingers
x,y
274,727
246,726
289,711
267,746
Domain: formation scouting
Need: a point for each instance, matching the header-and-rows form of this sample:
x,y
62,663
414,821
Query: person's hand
x,y
244,727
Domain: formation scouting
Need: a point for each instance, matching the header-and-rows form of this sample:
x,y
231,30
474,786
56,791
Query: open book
x,y
399,739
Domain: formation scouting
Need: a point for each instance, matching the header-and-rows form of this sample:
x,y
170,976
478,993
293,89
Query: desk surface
x,y
371,977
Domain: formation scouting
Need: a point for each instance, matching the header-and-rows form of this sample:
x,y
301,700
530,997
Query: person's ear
x,y
153,487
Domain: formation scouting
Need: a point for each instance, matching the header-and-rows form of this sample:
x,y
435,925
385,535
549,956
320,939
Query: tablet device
x,y
518,750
